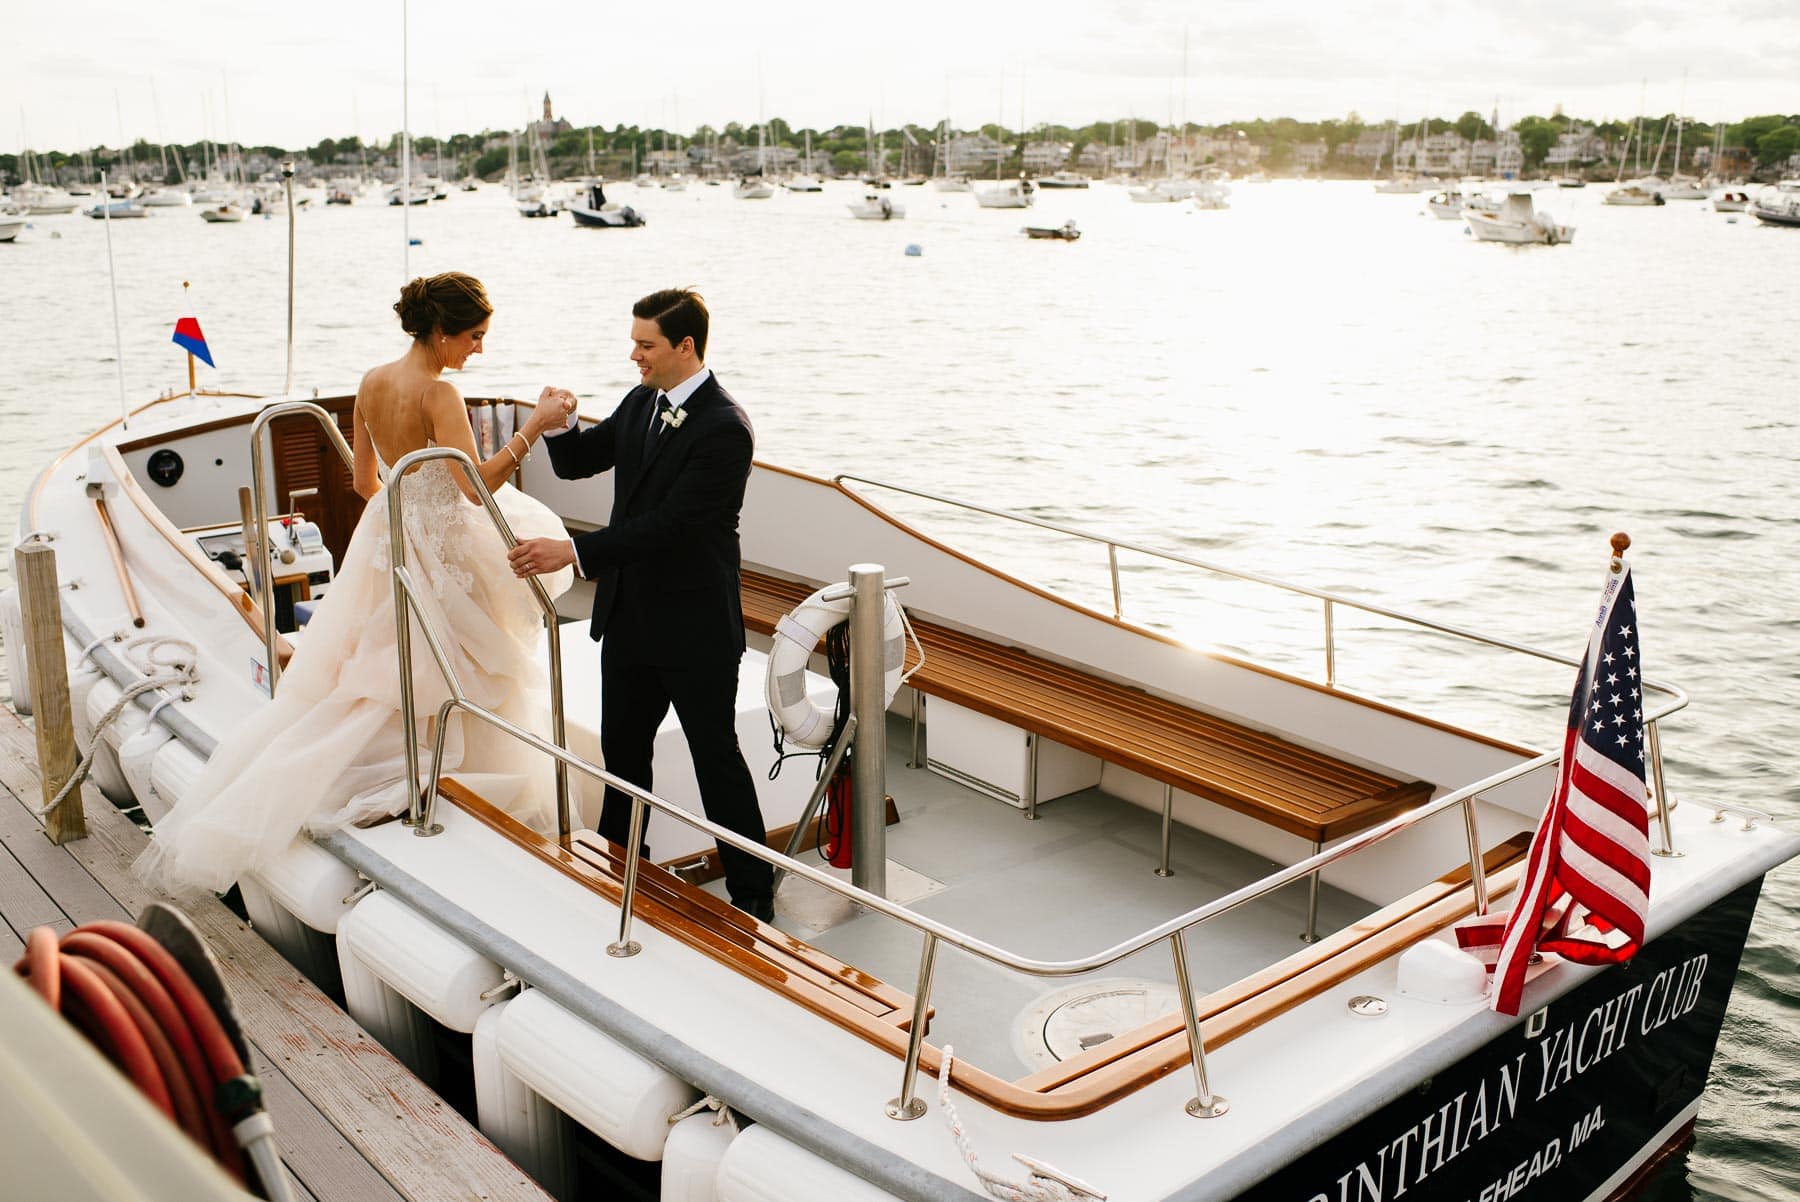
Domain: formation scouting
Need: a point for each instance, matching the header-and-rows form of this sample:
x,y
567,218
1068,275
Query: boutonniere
x,y
673,418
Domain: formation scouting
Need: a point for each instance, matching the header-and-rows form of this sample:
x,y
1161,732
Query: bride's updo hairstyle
x,y
442,304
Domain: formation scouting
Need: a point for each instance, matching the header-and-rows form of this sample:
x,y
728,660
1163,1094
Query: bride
x,y
328,751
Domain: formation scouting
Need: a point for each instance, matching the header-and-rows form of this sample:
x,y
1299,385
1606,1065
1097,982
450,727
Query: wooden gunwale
x,y
1076,1087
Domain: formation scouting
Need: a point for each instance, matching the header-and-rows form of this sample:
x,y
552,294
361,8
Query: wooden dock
x,y
353,1123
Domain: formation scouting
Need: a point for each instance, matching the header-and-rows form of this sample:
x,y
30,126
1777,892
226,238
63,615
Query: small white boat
x,y
224,213
10,228
1064,179
1012,194
1212,196
1634,195
1683,187
876,207
1778,204
1400,185
675,183
1447,205
803,183
1164,191
1517,223
1730,201
753,187
600,213
41,200
117,209
1570,181
1066,232
165,198
953,183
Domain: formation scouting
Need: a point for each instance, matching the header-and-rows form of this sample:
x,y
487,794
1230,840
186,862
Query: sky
x,y
107,72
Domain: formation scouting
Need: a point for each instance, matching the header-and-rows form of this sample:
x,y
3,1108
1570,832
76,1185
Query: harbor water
x,y
1320,384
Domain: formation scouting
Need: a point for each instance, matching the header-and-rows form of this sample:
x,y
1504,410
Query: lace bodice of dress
x,y
434,520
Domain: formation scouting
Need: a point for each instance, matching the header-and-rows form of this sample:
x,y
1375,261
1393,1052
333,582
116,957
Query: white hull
x,y
10,228
952,184
1003,198
877,208
618,1045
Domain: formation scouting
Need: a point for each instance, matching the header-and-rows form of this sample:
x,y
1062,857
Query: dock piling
x,y
34,567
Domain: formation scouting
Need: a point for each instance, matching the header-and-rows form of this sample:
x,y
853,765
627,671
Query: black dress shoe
x,y
760,908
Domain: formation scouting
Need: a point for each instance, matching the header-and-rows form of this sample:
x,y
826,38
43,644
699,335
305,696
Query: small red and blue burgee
x,y
188,335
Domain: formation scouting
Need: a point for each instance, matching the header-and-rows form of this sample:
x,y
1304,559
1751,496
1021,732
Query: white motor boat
x,y
874,206
10,227
224,214
116,210
1212,196
803,183
1009,194
1731,200
1164,191
753,187
1682,187
953,183
165,198
596,212
1778,204
1083,1032
1517,223
41,200
1447,205
1634,195
1064,179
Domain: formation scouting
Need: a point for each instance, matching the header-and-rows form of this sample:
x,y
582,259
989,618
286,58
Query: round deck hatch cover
x,y
1070,1021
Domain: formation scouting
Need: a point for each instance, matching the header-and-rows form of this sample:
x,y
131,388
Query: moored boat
x,y
1778,204
1064,179
1011,194
1066,232
1517,223
600,213
1084,1034
876,207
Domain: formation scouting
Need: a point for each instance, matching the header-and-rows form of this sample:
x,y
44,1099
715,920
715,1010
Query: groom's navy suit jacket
x,y
665,569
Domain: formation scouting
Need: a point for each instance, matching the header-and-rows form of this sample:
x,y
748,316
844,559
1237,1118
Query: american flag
x,y
1590,859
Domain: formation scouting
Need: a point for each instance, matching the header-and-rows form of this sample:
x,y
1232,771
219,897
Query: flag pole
x,y
112,280
190,354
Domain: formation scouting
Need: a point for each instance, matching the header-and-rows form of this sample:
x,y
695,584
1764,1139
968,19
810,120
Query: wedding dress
x,y
328,751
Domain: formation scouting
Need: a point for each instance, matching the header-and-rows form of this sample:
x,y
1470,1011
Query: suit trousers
x,y
634,698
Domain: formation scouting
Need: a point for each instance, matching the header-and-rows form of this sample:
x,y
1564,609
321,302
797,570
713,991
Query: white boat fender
x,y
803,721
311,884
92,695
418,960
12,634
698,1141
593,1078
137,755
761,1166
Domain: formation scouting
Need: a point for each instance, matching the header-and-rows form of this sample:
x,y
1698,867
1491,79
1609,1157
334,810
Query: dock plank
x,y
23,902
317,1155
415,1142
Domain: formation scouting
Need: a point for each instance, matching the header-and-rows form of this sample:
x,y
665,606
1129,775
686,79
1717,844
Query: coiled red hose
x,y
139,1007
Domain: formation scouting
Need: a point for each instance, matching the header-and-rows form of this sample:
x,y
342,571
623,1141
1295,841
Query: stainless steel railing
x,y
256,560
907,1105
1328,602
406,606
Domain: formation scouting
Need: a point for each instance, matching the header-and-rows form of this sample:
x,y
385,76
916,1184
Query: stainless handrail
x,y
1115,545
419,809
1328,600
906,1105
1204,1104
259,557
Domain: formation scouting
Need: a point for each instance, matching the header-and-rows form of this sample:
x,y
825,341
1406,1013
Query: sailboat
x,y
753,186
943,180
806,180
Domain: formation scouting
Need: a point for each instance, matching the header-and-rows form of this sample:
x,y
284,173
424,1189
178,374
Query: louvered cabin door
x,y
304,459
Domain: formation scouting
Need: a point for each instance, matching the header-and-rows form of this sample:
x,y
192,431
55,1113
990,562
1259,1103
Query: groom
x,y
667,609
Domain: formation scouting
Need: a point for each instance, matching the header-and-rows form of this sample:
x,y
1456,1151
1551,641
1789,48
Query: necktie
x,y
656,421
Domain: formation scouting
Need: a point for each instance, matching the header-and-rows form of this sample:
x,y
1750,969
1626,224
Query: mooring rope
x,y
1035,1188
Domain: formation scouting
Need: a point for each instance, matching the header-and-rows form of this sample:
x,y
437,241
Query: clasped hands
x,y
539,556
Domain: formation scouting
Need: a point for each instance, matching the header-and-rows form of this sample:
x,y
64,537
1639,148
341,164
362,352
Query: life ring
x,y
803,721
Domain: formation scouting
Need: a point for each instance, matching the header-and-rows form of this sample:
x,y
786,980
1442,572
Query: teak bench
x,y
1303,792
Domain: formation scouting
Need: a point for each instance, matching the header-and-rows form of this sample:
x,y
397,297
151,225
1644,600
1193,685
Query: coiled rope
x,y
1037,1187
179,669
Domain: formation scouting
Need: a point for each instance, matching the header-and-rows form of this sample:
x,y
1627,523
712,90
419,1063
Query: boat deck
x,y
1077,880
352,1122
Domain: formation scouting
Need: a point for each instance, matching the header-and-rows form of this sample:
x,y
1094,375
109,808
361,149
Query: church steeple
x,y
547,115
